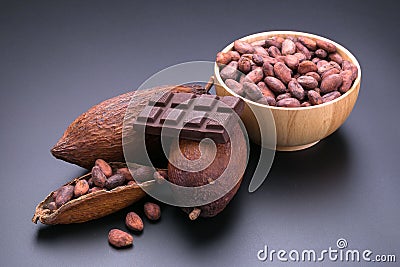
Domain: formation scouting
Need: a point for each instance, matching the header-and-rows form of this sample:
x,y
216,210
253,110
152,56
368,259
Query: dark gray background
x,y
58,58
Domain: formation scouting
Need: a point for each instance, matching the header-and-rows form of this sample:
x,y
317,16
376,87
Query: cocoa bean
x,y
270,60
292,61
296,90
235,86
314,97
126,173
104,166
282,72
329,72
330,96
327,46
52,206
230,71
305,104
152,211
243,47
336,57
302,49
321,62
133,221
258,43
258,60
273,51
223,58
347,81
64,195
234,55
307,42
307,82
244,65
321,53
256,75
314,75
300,56
252,91
283,96
131,183
331,83
258,50
98,177
90,182
315,60
265,100
265,90
115,181
268,69
347,65
275,85
94,189
328,66
81,188
288,102
306,66
119,238
288,47
273,42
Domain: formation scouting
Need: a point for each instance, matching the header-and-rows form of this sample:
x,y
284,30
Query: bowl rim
x,y
297,33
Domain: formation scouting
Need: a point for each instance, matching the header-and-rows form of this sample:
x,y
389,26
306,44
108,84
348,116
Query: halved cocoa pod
x,y
92,205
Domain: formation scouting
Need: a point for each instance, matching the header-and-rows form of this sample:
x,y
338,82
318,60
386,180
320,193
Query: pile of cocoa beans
x,y
287,72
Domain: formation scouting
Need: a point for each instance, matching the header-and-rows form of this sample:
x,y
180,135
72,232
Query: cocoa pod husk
x,y
97,133
95,204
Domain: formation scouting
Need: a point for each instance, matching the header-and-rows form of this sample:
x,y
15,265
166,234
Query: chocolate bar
x,y
190,116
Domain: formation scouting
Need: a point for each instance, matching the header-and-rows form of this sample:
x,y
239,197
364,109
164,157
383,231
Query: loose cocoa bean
x,y
336,57
307,82
296,90
275,85
325,67
126,173
330,96
283,96
265,90
52,206
90,182
268,69
331,83
115,181
321,62
269,101
327,46
104,166
347,65
152,211
306,66
288,102
134,222
291,61
243,47
258,60
321,53
307,42
273,42
94,189
252,91
305,104
244,65
258,50
300,56
119,238
315,60
314,75
282,72
235,86
98,177
64,195
314,97
302,49
131,183
256,75
230,71
270,60
234,55
329,72
81,188
273,51
288,47
223,58
258,43
347,81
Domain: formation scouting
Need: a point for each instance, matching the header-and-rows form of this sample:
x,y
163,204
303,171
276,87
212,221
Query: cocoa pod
x,y
307,66
152,211
282,72
288,102
292,61
80,143
119,238
243,47
244,65
235,86
331,83
314,97
307,82
115,181
327,46
255,75
275,85
330,96
134,222
223,58
95,204
104,167
252,91
307,42
230,71
296,90
288,47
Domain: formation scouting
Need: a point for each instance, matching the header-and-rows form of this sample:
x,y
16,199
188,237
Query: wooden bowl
x,y
296,128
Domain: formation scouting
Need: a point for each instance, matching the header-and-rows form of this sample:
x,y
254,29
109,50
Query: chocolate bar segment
x,y
190,116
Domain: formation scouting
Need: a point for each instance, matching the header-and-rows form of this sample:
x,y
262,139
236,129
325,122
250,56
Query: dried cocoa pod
x,y
336,57
98,177
347,76
64,194
275,85
134,222
103,165
152,211
327,46
314,75
119,238
314,98
126,173
307,66
80,144
95,204
330,96
292,61
235,86
273,51
223,58
307,42
258,60
265,90
288,102
282,72
331,83
252,91
81,188
321,53
243,47
300,56
115,181
302,49
258,50
255,75
234,55
283,96
296,90
288,47
268,69
230,71
244,65
307,82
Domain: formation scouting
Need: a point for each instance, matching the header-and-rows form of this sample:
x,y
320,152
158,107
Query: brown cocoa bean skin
x,y
104,166
81,188
296,90
223,58
258,60
307,82
234,55
273,42
265,90
230,71
347,65
283,96
302,49
252,91
347,81
243,47
282,72
244,65
330,96
119,238
273,51
327,46
134,222
314,75
314,97
331,83
270,60
152,211
126,173
98,177
330,72
256,75
292,62
235,86
258,50
288,102
307,66
288,47
336,57
64,195
321,53
115,181
275,85
300,56
307,42
268,69
325,67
